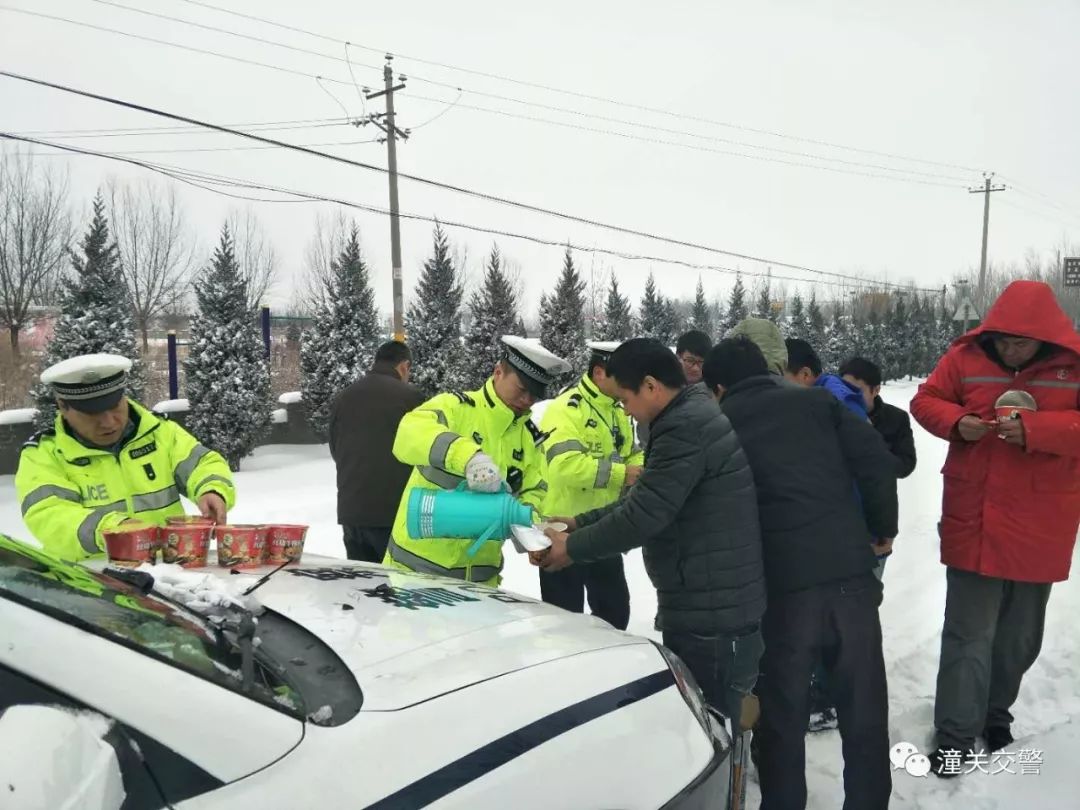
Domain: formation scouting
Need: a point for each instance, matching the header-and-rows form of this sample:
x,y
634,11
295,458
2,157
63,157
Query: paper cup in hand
x,y
1013,403
529,538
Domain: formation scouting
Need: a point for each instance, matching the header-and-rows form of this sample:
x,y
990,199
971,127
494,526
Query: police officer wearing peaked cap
x,y
483,438
108,460
590,459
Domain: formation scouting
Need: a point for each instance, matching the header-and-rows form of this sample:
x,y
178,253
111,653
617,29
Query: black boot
x,y
949,761
997,738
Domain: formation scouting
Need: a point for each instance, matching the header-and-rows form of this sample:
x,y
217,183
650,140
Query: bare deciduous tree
x,y
323,249
157,251
254,255
35,231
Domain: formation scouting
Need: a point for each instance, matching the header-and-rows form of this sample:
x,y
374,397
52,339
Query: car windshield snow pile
x,y
262,663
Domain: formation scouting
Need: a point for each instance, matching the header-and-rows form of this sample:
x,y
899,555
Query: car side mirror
x,y
56,757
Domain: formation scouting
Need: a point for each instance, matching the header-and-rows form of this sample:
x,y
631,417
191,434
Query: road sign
x,y
1071,272
966,312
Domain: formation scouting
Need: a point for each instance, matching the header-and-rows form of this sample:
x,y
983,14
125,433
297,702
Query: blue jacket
x,y
852,399
848,394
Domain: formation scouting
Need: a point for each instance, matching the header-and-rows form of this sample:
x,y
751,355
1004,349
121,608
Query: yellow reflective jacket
x,y
438,439
590,445
71,493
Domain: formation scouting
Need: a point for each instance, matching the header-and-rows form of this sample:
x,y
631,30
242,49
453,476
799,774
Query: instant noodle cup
x,y
286,543
241,546
1013,403
189,520
132,544
186,545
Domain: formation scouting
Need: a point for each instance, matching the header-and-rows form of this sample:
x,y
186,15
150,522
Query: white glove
x,y
482,474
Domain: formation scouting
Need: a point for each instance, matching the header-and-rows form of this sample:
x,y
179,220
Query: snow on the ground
x,y
290,398
172,406
18,416
295,483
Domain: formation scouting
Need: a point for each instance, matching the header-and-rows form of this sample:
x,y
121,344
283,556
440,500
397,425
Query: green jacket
x,y
71,493
590,446
766,335
437,440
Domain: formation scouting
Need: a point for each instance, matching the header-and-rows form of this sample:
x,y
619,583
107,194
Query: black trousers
x,y
725,667
603,580
839,623
992,635
365,543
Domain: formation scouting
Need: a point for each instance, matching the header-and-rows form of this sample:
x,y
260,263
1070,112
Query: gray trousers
x,y
992,635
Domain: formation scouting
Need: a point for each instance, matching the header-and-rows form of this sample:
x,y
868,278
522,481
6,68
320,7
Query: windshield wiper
x,y
265,579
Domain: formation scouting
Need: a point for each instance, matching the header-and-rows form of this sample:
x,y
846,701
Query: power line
x,y
589,96
205,181
548,107
181,150
171,131
536,209
181,130
536,119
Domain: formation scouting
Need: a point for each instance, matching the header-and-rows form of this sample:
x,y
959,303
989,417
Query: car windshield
x,y
109,607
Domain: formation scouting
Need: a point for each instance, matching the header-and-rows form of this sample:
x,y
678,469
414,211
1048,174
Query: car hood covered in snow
x,y
410,637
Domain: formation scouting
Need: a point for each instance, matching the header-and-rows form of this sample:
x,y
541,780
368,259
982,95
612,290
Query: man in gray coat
x,y
363,422
694,513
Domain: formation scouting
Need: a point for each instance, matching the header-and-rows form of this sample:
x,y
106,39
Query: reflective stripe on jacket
x,y
437,440
70,493
590,444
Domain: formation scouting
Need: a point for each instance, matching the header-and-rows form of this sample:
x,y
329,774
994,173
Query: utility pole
x,y
392,134
986,189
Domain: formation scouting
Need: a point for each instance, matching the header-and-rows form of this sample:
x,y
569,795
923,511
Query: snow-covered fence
x,y
16,427
289,425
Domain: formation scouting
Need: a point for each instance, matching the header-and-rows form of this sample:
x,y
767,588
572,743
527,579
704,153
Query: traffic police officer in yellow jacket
x,y
484,438
108,460
589,460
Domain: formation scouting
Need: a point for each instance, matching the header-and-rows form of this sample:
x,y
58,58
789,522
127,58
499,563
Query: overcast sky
x,y
983,84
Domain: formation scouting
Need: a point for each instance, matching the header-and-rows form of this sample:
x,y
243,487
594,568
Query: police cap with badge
x,y
535,366
91,383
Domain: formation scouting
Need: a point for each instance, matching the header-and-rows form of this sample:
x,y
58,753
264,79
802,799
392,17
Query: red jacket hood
x,y
1028,309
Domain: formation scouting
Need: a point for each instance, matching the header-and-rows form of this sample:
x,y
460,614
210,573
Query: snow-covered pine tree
x,y
617,322
816,322
797,325
340,347
763,308
839,345
673,321
701,313
494,314
737,309
434,323
653,313
228,377
562,321
95,311
720,318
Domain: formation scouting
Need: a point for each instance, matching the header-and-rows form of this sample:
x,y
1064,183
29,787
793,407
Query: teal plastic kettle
x,y
463,514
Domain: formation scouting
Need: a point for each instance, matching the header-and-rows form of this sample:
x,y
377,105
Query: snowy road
x,y
296,484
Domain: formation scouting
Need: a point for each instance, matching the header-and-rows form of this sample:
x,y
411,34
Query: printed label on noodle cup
x,y
286,543
241,546
130,546
186,545
1011,412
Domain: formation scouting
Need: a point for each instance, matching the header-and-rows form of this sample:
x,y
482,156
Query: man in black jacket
x,y
363,422
694,514
808,453
891,422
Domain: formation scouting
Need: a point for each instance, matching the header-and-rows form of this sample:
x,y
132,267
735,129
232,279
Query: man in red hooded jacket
x,y
1010,510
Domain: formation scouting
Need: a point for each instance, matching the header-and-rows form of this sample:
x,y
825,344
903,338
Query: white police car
x,y
353,686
